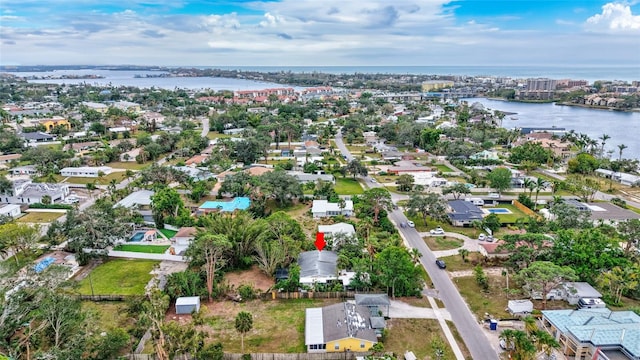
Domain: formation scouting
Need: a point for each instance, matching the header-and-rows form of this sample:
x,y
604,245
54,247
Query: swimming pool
x,y
239,203
43,264
137,237
499,211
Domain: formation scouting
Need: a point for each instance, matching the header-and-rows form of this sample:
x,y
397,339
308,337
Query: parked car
x,y
494,195
437,231
373,180
482,237
403,224
411,223
441,264
490,238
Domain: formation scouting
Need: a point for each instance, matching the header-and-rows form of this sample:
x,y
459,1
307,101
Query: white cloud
x,y
615,17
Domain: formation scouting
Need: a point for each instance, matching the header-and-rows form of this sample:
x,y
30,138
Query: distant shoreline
x,y
564,104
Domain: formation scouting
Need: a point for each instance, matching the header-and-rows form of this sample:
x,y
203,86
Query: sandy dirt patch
x,y
254,277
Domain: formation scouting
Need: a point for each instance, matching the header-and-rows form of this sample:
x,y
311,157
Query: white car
x,y
437,231
482,237
411,223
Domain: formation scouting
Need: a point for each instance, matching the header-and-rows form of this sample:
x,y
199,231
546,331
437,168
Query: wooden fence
x,y
349,355
524,209
276,295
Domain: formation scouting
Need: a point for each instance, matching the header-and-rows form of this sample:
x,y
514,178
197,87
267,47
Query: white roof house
x,y
86,171
10,210
330,230
137,198
323,208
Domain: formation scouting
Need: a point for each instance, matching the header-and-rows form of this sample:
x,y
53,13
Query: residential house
x,y
335,233
83,146
464,213
99,107
86,171
343,327
26,192
24,170
183,238
597,334
323,208
258,170
318,267
238,131
306,178
152,117
10,210
196,174
6,159
570,292
609,213
577,204
36,137
131,155
196,160
370,137
137,199
50,124
408,167
126,106
376,303
485,155
623,178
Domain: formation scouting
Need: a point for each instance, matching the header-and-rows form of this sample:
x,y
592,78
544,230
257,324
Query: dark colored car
x,y
441,264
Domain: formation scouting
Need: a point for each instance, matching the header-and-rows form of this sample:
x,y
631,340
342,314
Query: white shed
x,y
520,307
10,210
187,305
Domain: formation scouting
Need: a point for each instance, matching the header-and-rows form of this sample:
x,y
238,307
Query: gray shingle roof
x,y
372,299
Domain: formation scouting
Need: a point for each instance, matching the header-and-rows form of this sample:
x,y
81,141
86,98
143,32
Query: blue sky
x,y
320,32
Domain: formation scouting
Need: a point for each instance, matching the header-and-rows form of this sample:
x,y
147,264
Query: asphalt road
x,y
466,323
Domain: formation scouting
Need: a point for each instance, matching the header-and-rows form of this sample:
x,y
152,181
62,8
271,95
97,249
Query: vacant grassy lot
x,y
108,315
40,217
216,135
278,325
455,263
493,301
442,242
119,277
418,335
348,186
149,249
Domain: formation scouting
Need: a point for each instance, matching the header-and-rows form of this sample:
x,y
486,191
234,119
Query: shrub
x,y
247,292
50,206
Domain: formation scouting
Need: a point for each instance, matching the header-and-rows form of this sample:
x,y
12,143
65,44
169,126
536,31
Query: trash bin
x,y
493,325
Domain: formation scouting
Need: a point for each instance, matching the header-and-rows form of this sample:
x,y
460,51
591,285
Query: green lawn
x,y
442,242
131,165
119,277
150,249
510,218
443,168
168,233
39,217
216,135
105,180
348,186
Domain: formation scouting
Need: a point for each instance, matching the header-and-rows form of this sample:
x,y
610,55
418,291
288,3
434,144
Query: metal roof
x,y
318,263
187,300
372,299
140,197
313,332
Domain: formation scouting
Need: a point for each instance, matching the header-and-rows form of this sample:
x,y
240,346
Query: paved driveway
x,y
402,310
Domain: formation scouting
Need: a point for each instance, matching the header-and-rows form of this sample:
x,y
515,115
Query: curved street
x,y
466,323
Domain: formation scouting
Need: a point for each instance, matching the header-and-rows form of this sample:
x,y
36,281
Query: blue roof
x,y
600,327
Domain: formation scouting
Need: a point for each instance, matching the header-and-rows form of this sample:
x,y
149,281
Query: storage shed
x,y
187,305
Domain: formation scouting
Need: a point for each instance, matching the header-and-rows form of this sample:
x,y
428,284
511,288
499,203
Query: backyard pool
x,y
137,237
499,211
43,264
239,203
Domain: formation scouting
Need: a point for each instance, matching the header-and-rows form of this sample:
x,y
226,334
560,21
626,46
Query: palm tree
x,y
621,148
244,324
603,140
463,253
530,324
540,184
